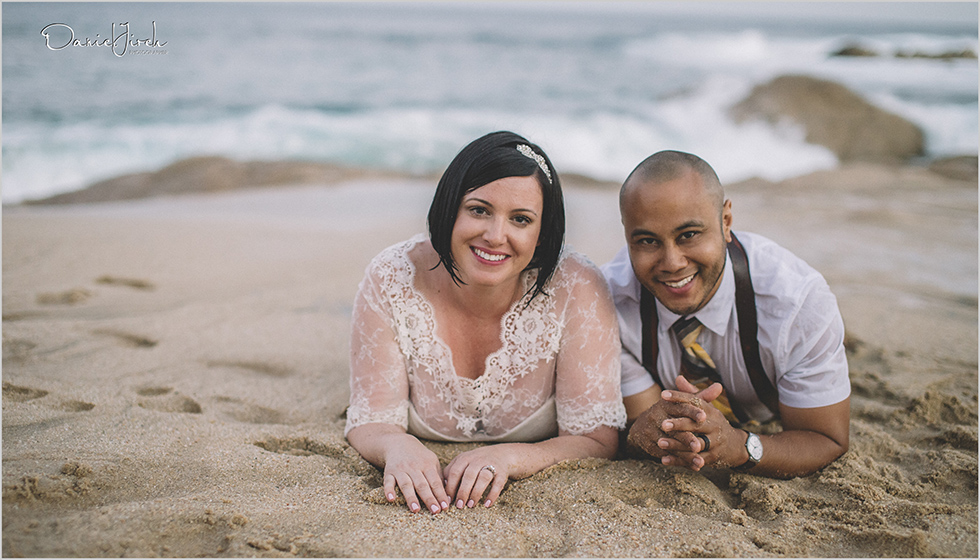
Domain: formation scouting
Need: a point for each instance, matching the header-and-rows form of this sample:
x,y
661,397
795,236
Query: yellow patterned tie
x,y
697,366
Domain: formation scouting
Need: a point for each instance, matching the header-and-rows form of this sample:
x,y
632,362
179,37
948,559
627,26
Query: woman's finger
x,y
437,485
465,490
484,477
424,491
389,485
453,474
408,490
499,481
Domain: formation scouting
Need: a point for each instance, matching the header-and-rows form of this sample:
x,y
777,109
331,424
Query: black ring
x,y
707,442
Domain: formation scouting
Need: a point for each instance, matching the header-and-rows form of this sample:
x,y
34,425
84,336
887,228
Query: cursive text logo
x,y
119,41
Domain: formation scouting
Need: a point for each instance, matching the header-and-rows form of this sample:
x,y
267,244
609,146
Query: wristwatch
x,y
754,446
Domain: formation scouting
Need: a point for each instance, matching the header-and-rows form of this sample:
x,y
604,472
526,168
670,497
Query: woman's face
x,y
497,229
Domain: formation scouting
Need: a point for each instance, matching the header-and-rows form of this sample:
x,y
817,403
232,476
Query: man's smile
x,y
680,283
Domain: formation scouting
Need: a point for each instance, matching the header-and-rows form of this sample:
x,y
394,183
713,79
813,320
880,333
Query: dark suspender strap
x,y
748,327
649,322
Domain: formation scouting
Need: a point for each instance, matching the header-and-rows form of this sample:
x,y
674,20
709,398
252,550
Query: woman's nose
x,y
495,232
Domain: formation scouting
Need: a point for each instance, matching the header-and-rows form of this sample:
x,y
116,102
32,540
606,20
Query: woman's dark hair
x,y
485,160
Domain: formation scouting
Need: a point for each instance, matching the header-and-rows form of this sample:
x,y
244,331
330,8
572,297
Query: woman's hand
x,y
406,462
470,474
416,471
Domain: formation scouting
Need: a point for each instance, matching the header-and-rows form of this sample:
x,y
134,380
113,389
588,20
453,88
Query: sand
x,y
175,379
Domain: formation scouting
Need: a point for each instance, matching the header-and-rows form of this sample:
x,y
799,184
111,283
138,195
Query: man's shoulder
x,y
619,276
785,286
775,268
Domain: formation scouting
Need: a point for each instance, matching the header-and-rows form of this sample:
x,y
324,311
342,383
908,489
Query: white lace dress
x,y
557,367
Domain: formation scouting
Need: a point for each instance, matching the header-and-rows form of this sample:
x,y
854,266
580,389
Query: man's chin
x,y
675,305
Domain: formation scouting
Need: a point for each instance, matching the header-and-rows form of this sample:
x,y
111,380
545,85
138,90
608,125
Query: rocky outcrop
x,y
835,117
208,174
860,51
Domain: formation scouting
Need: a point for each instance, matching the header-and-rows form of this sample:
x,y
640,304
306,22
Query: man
x,y
693,286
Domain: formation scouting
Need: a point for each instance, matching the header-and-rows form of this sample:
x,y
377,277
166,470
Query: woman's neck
x,y
483,302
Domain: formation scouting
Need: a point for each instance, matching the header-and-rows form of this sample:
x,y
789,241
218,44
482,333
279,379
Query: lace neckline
x,y
527,280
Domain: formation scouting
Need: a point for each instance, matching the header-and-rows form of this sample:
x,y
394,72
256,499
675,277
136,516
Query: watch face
x,y
754,447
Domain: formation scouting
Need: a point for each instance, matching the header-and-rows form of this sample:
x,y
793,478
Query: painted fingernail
x,y
470,503
487,504
391,497
459,504
445,505
435,508
414,507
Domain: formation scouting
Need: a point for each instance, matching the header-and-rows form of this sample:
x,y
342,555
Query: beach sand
x,y
175,380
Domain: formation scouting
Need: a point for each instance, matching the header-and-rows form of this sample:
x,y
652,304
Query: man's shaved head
x,y
669,165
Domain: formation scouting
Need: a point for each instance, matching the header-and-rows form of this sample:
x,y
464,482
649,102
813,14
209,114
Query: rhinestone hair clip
x,y
527,151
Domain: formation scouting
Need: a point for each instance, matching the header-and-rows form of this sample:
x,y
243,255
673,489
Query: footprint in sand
x,y
16,393
165,399
17,349
262,368
21,394
70,297
303,446
241,411
134,283
76,406
128,339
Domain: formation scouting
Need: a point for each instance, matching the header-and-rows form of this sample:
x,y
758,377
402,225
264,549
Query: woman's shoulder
x,y
575,268
396,261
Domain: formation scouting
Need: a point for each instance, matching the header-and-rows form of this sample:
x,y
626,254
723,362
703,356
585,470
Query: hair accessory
x,y
527,151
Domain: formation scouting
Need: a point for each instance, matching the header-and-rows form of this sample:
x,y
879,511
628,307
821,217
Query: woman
x,y
484,331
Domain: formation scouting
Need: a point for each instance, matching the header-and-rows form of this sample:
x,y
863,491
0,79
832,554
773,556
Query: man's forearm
x,y
794,453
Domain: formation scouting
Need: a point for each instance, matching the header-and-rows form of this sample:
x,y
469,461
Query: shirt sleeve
x,y
587,385
636,378
378,374
812,353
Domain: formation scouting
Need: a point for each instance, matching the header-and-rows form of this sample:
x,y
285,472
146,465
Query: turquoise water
x,y
404,86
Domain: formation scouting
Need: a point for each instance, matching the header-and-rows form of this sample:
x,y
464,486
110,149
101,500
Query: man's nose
x,y
673,258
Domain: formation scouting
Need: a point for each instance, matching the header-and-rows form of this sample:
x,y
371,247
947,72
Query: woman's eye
x,y
523,220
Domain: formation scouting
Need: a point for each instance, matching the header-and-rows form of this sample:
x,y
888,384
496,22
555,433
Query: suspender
x,y
748,328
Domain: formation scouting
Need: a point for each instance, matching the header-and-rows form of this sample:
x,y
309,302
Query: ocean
x,y
94,90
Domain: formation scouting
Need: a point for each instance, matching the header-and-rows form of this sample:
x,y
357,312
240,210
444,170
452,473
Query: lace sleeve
x,y
587,391
378,375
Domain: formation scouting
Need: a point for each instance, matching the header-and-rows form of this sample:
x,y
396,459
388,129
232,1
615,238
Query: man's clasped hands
x,y
684,429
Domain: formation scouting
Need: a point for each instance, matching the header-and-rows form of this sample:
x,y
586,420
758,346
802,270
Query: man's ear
x,y
726,220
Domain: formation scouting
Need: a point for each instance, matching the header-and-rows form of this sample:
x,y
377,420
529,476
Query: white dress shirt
x,y
801,333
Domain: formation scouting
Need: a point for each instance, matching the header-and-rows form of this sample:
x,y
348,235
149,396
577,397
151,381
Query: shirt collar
x,y
716,314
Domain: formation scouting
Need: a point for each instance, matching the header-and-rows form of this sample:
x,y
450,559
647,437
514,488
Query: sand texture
x,y
175,380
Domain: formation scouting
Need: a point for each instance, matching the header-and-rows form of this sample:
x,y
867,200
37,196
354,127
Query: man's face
x,y
677,240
